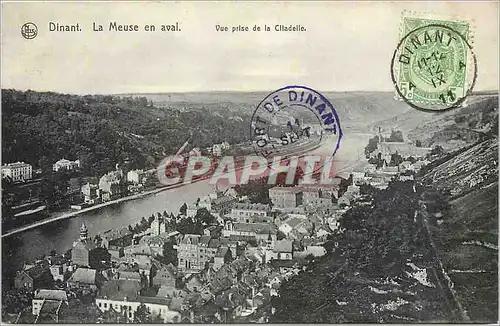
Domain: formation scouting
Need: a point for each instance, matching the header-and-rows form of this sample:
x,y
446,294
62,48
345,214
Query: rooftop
x,y
290,190
155,300
167,270
223,199
214,243
294,222
252,206
120,289
129,275
258,228
15,165
283,246
58,295
84,275
114,234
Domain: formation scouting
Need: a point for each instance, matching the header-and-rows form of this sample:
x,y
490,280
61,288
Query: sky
x,y
347,46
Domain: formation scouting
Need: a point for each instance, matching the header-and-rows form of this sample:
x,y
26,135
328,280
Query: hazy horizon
x,y
219,91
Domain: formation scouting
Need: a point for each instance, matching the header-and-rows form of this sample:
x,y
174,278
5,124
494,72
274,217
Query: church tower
x,y
80,255
83,232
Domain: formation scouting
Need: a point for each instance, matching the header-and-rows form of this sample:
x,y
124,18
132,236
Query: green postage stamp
x,y
433,67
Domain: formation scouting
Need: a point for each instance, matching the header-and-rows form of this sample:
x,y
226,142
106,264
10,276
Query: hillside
x,y
466,238
450,129
41,128
423,254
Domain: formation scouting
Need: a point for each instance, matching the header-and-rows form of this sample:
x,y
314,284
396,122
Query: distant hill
x,y
354,108
451,128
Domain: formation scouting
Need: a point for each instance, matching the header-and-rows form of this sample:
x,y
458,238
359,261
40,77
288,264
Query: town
x,y
221,259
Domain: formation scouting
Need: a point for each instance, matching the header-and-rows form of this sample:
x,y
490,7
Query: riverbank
x,y
119,200
88,209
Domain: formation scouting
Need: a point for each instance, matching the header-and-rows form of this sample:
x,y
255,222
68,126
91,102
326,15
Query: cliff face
x,y
466,237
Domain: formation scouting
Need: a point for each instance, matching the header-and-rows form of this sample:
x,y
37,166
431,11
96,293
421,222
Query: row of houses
x,y
115,184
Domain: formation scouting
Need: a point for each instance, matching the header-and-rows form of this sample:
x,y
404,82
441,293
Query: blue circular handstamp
x,y
294,120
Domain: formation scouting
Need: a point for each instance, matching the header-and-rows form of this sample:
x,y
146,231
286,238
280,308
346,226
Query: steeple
x,y
83,232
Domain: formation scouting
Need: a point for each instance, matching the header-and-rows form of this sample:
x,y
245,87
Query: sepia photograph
x,y
249,162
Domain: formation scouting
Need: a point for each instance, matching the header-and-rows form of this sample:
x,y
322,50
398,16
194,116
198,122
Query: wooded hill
x,y
101,130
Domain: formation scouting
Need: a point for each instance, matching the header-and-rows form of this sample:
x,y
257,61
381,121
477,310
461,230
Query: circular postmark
x,y
294,120
29,31
434,67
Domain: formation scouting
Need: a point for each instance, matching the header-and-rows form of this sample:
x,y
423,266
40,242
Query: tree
x,y
144,224
142,315
183,209
437,150
204,216
396,136
372,146
418,143
396,159
158,319
377,243
99,258
187,226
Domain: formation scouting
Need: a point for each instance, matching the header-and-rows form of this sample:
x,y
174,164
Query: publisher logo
x,y
29,31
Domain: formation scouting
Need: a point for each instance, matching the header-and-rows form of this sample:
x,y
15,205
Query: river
x,y
59,235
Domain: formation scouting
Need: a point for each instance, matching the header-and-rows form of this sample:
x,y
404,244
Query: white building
x,y
65,164
192,210
136,176
90,192
123,297
18,171
283,250
217,150
245,212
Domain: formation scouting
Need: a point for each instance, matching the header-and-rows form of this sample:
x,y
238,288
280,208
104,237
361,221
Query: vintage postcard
x,y
249,162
